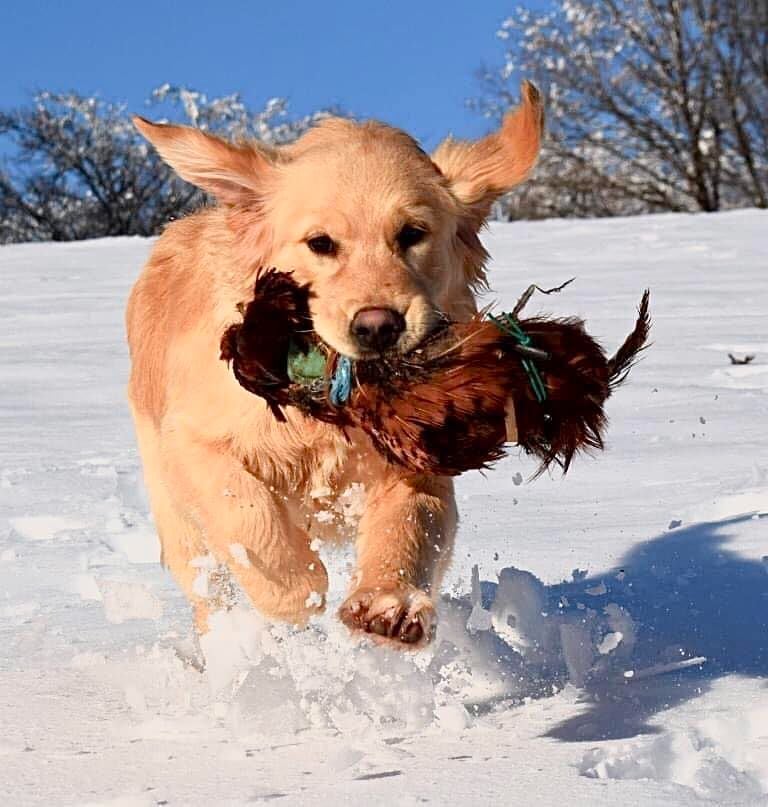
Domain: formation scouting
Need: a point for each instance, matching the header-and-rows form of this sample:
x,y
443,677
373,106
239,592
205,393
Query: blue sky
x,y
409,63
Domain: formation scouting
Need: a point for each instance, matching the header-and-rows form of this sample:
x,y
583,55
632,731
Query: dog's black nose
x,y
377,328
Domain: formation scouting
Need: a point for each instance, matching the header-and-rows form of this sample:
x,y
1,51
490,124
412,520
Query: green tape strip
x,y
509,325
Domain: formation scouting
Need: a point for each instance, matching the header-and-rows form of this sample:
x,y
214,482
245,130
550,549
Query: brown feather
x,y
625,357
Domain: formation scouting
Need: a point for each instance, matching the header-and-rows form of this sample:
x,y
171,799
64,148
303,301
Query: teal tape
x,y
341,382
509,325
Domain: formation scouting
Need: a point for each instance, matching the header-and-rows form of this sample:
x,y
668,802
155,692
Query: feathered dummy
x,y
449,405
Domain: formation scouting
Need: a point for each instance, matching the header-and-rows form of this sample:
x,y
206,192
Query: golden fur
x,y
225,478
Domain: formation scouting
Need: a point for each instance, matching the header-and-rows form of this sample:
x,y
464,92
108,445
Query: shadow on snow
x,y
621,636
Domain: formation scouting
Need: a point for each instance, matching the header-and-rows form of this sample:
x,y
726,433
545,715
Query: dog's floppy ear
x,y
234,174
480,171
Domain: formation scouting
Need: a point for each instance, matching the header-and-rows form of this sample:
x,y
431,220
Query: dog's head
x,y
386,235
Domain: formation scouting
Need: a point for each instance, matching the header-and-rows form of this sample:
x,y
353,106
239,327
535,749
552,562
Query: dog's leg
x,y
247,527
404,546
180,540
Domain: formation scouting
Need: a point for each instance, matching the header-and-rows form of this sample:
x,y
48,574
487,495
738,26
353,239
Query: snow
x,y
43,528
603,638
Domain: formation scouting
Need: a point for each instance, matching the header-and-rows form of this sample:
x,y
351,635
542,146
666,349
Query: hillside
x,y
616,650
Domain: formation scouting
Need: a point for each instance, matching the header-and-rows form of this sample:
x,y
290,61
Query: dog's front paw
x,y
402,615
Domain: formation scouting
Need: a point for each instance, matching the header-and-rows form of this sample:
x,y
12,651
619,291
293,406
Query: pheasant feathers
x,y
449,405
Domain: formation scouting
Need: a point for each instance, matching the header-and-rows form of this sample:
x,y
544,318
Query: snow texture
x,y
603,639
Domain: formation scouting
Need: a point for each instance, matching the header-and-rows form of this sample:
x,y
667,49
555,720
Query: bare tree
x,y
652,104
78,169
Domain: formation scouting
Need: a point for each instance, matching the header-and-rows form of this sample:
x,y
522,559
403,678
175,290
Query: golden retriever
x,y
388,239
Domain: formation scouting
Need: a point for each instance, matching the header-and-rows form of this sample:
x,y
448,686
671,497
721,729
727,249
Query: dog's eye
x,y
409,236
322,245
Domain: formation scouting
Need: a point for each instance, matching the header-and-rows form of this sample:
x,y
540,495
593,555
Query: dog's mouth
x,y
364,354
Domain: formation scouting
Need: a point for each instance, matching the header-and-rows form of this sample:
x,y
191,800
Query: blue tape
x,y
341,382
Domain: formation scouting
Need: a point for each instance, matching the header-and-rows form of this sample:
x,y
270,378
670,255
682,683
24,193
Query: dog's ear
x,y
234,174
480,171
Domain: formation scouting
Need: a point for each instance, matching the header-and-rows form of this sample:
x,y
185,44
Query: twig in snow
x,y
746,360
660,669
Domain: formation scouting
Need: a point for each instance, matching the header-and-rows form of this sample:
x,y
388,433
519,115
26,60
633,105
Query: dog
x,y
387,236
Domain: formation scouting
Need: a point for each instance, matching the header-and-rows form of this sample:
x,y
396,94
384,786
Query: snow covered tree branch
x,y
78,168
652,105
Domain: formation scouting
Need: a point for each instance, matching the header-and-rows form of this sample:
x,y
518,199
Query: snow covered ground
x,y
612,646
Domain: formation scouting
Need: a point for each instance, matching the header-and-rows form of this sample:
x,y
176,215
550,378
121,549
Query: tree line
x,y
79,169
652,106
